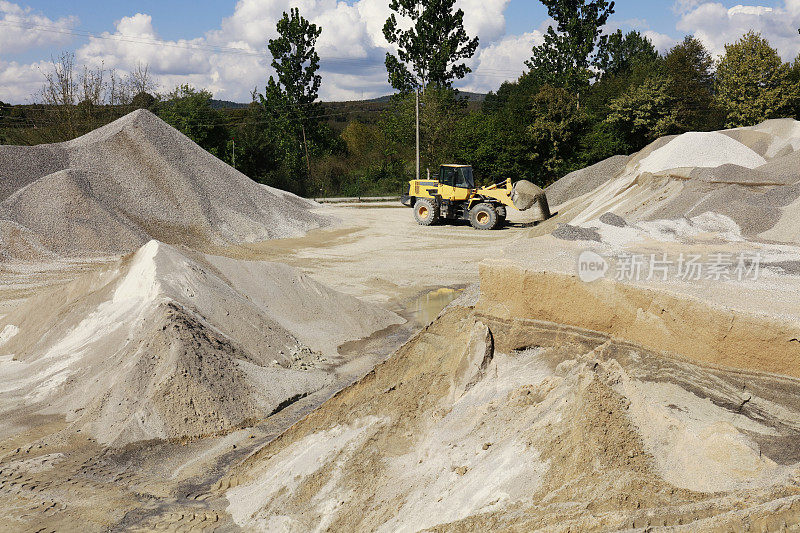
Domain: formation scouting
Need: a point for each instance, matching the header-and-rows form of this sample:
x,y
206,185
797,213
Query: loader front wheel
x,y
484,217
426,212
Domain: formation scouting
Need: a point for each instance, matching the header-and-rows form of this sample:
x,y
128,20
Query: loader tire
x,y
483,217
502,215
426,212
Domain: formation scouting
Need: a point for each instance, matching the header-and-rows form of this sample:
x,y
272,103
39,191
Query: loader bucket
x,y
525,195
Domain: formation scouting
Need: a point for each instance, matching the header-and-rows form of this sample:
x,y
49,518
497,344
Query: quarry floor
x,y
377,253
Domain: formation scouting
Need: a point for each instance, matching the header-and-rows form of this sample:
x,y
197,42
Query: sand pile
x,y
751,175
708,150
467,429
136,179
163,345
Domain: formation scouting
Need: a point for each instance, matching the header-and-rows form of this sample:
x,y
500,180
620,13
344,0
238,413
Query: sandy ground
x,y
380,254
488,417
47,470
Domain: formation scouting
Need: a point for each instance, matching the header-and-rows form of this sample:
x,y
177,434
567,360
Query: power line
x,y
198,47
59,108
245,122
159,42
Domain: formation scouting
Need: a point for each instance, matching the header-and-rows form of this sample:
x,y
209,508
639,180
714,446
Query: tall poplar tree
x,y
432,50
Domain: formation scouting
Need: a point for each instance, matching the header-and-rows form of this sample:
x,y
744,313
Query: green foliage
x,y
621,53
431,51
645,113
690,68
295,59
556,130
144,100
257,153
563,60
289,109
532,128
753,83
190,112
794,79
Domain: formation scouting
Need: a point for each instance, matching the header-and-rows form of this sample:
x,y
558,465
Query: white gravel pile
x,y
161,345
138,179
707,150
750,175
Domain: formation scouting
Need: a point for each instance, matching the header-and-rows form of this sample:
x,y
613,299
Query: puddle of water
x,y
426,307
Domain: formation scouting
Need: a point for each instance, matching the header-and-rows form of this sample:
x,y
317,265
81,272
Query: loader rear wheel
x,y
484,217
426,212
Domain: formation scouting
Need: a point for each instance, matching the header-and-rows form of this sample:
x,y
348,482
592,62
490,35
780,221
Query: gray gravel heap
x,y
585,180
566,232
138,179
612,219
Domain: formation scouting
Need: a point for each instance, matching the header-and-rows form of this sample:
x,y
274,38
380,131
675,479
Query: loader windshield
x,y
464,178
457,177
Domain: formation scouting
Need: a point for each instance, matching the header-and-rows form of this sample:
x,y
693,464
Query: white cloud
x,y
661,41
682,6
484,18
131,44
352,47
17,36
18,83
715,25
502,61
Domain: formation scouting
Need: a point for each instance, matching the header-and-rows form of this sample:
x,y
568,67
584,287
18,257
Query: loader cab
x,y
458,176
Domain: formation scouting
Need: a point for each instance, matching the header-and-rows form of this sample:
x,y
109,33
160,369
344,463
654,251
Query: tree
x,y
620,53
645,113
794,78
92,86
189,111
144,101
140,80
690,68
563,60
431,51
296,62
753,83
557,128
290,101
440,112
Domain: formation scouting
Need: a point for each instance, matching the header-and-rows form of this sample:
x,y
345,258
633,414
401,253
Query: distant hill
x,y
225,104
472,97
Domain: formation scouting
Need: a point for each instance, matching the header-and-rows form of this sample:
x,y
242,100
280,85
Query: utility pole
x,y
234,152
305,143
417,93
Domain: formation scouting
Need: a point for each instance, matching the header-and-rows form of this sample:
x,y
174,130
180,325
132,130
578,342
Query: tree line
x,y
585,95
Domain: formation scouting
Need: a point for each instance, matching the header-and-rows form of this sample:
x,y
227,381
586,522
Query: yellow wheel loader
x,y
454,196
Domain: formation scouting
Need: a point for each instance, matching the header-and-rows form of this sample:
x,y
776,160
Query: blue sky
x,y
352,46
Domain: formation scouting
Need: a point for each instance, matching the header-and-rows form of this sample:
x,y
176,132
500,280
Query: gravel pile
x,y
732,174
701,150
751,175
784,169
163,344
613,219
566,232
585,180
137,179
